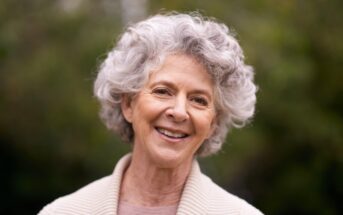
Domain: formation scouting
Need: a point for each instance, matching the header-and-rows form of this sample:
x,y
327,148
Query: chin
x,y
170,159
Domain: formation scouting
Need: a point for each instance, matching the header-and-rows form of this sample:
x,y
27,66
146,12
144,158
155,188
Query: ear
x,y
126,107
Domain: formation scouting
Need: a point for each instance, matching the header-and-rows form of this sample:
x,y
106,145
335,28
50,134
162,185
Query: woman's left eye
x,y
200,100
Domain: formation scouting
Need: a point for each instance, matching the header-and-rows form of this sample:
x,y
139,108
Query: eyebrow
x,y
172,85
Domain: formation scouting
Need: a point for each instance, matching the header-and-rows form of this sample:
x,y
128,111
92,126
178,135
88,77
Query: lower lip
x,y
169,139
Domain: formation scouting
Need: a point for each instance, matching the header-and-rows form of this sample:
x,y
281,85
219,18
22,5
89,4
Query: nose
x,y
178,110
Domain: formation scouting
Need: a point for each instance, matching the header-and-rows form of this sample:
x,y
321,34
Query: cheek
x,y
146,112
204,124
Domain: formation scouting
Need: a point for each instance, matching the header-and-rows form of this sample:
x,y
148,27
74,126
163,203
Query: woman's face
x,y
173,114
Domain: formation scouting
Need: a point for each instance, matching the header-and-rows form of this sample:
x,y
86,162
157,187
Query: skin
x,y
171,117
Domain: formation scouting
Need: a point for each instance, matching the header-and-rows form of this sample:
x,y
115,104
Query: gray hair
x,y
145,45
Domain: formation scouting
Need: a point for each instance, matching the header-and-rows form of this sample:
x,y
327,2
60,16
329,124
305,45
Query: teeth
x,y
171,134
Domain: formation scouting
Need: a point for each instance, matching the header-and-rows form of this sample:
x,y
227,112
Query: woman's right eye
x,y
161,91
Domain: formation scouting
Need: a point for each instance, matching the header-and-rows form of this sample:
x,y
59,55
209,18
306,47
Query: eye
x,y
200,100
161,91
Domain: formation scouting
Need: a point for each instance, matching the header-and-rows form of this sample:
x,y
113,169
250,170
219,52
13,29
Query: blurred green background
x,y
289,160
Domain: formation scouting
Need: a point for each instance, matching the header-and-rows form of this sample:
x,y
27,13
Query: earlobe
x,y
126,107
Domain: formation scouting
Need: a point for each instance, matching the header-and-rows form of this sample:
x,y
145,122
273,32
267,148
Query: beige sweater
x,y
200,196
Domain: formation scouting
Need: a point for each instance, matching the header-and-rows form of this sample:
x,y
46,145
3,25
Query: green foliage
x,y
289,160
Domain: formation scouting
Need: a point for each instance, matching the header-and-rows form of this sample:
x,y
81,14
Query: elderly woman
x,y
172,86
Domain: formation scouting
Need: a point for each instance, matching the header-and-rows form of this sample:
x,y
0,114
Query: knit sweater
x,y
200,196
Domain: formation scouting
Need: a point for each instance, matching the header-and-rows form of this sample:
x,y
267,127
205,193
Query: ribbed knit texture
x,y
200,197
125,208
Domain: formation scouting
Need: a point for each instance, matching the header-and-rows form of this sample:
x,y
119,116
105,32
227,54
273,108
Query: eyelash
x,y
161,91
165,92
200,100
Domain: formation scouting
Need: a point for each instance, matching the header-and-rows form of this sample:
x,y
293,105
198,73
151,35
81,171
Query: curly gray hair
x,y
145,45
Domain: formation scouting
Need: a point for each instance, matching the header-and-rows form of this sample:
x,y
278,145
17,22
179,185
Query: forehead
x,y
182,69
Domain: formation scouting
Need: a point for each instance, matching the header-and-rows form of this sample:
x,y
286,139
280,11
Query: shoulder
x,y
223,202
98,197
79,202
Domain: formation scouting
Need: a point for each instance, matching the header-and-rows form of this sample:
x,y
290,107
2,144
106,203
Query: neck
x,y
146,184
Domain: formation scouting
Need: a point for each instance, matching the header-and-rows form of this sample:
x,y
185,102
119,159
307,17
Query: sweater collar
x,y
195,195
108,202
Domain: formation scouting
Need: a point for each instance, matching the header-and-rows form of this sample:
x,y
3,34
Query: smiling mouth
x,y
170,134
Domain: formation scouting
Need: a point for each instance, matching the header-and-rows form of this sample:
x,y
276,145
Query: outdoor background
x,y
289,160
